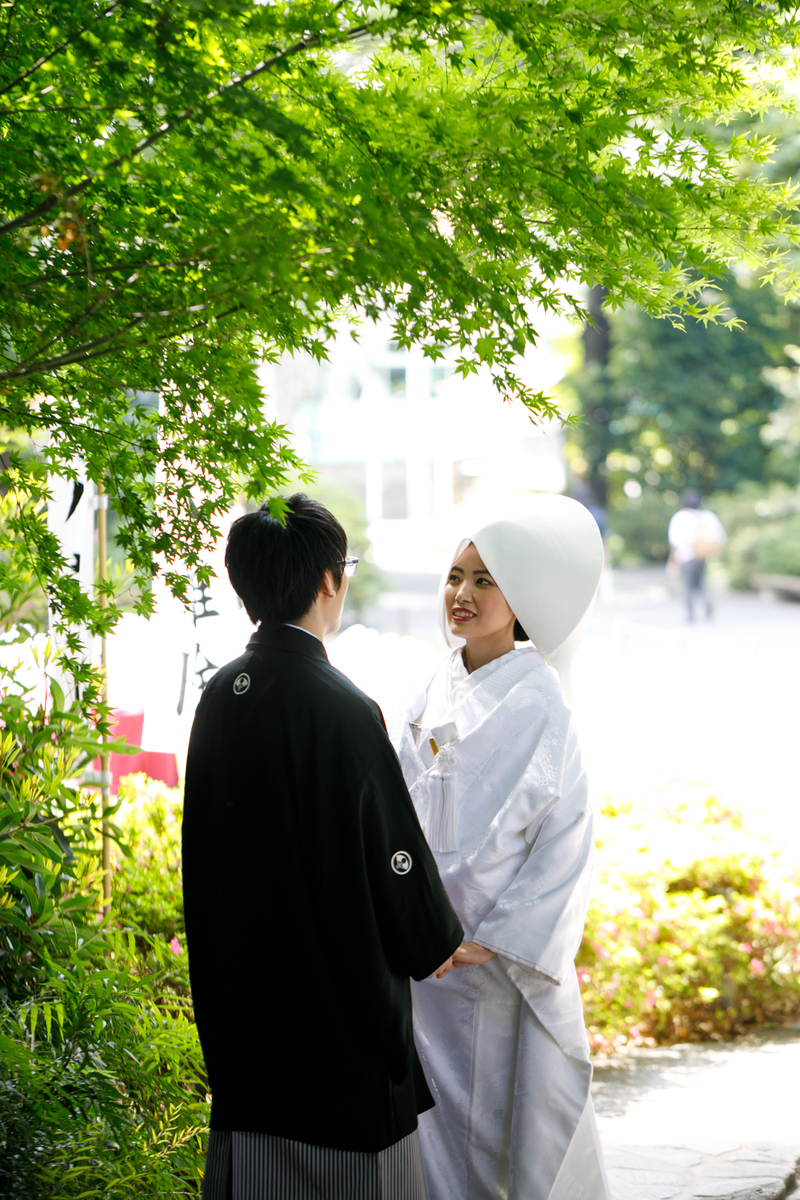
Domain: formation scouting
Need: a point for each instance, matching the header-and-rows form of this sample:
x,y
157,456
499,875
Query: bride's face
x,y
474,604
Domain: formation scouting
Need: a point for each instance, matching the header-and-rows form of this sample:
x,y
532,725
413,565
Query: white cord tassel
x,y
442,830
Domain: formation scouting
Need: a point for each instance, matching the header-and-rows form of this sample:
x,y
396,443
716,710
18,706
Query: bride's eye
x,y
483,579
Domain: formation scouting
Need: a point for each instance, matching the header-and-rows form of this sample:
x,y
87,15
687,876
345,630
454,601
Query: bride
x,y
490,757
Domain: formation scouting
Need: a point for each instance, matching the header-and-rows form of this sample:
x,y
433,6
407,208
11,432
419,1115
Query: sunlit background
x,y
411,456
689,728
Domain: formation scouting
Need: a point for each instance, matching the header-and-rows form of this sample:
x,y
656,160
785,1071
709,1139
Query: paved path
x,y
707,1121
704,1169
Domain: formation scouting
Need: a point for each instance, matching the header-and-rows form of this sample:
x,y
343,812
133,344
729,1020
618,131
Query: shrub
x,y
692,933
763,527
102,1086
638,528
147,880
778,551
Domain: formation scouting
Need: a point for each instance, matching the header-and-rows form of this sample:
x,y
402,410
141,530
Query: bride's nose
x,y
464,592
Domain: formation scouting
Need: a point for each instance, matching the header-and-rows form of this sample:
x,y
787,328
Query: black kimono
x,y
310,898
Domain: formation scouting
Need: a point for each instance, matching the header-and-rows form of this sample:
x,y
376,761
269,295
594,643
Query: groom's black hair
x,y
276,567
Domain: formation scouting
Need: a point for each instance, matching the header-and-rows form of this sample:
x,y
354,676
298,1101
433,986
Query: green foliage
x,y
102,1089
782,434
369,581
147,881
762,525
638,528
692,933
22,597
48,830
677,407
192,186
102,1086
148,888
778,553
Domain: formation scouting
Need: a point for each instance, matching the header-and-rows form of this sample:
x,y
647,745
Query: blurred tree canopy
x,y
189,186
671,407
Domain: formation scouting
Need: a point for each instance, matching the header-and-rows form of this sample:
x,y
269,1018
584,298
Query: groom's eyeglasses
x,y
349,565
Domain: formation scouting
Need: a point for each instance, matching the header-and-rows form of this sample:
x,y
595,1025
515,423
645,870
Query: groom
x,y
310,894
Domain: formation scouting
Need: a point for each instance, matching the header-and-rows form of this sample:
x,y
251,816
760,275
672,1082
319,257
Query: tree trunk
x,y
597,349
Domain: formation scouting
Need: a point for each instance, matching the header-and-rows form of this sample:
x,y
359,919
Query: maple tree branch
x,y
166,127
87,350
47,57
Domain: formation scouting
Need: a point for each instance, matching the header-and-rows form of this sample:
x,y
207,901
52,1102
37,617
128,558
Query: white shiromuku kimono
x,y
503,1044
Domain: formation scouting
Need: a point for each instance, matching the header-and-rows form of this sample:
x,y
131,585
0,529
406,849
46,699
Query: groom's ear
x,y
327,586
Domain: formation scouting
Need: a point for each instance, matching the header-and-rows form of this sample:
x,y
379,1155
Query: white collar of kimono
x,y
461,681
547,560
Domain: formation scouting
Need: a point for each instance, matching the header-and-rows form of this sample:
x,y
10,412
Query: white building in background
x,y
418,444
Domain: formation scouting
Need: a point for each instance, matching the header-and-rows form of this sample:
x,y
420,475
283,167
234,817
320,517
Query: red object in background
x,y
129,726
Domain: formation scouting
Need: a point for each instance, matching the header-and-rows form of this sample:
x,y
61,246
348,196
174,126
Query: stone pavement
x,y
710,1121
708,1169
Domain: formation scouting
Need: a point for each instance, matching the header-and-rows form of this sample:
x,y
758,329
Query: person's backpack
x,y
707,543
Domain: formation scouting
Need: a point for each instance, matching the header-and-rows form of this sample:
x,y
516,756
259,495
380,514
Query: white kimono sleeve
x,y
538,920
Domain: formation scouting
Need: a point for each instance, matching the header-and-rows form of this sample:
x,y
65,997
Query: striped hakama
x,y
259,1166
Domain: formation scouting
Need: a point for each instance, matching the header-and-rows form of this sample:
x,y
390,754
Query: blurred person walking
x,y
310,895
490,755
695,535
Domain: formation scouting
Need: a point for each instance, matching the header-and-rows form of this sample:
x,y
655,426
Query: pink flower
x,y
757,966
662,960
650,1001
584,976
745,948
635,1031
175,946
600,951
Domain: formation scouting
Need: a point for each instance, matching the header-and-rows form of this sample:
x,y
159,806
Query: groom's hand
x,y
444,969
470,954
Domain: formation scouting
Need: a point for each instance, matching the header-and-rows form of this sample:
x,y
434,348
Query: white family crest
x,y
401,862
241,683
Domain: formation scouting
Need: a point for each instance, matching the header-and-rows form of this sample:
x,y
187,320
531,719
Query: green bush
x,y
692,932
102,1088
102,1085
638,528
741,556
762,524
147,880
778,551
763,527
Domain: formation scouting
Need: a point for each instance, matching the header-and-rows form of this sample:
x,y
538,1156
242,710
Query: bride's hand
x,y
470,954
